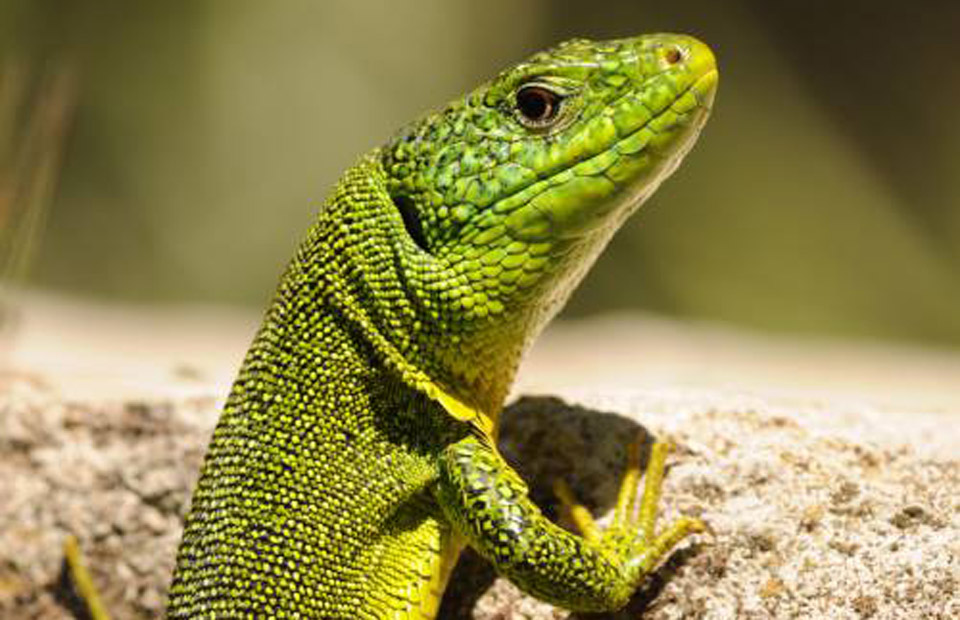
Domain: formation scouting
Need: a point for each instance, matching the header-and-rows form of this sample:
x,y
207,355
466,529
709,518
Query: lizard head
x,y
508,194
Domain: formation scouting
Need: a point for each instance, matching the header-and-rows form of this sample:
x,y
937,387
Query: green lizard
x,y
356,452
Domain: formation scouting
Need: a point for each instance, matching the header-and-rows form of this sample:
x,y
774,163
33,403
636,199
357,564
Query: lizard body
x,y
356,453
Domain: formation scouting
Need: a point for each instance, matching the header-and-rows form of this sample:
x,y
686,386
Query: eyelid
x,y
563,88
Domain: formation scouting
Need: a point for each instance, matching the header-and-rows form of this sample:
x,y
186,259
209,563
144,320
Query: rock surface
x,y
831,493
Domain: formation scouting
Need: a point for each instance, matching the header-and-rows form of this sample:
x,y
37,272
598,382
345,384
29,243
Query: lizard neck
x,y
354,260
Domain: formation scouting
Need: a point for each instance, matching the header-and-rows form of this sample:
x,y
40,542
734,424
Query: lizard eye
x,y
538,106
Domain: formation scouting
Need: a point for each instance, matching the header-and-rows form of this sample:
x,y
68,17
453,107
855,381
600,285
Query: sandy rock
x,y
820,506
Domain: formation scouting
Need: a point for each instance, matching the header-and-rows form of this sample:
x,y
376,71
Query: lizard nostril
x,y
673,55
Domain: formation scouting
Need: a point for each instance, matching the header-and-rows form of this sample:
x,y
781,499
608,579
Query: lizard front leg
x,y
488,503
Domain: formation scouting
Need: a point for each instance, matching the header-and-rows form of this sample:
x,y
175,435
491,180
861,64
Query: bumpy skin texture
x,y
355,455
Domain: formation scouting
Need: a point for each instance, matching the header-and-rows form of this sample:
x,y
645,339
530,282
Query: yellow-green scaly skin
x,y
355,454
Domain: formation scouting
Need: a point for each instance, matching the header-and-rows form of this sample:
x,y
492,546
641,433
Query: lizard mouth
x,y
579,199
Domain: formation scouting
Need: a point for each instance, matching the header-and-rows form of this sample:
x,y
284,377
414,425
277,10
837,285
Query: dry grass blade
x,y
35,116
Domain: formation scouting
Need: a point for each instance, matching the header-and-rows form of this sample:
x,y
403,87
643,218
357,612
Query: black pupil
x,y
537,104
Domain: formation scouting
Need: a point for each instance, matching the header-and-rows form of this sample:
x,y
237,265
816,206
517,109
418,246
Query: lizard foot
x,y
631,536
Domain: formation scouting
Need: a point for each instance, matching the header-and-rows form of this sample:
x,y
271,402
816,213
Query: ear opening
x,y
411,220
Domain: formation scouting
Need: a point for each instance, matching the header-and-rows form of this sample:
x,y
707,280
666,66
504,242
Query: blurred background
x,y
162,153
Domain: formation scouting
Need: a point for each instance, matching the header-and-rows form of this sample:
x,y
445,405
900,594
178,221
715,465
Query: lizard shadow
x,y
545,438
